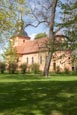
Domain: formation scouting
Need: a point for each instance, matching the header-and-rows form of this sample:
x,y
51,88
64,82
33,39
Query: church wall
x,y
19,41
36,59
61,61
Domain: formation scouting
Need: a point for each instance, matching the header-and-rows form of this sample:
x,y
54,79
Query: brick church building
x,y
29,51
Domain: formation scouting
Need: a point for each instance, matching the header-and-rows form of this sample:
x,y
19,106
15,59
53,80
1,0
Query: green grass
x,y
36,95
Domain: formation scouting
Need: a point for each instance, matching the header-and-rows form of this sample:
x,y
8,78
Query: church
x,y
32,51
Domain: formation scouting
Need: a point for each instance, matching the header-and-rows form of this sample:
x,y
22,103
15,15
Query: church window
x,y
27,60
46,58
54,66
69,58
23,41
40,59
32,60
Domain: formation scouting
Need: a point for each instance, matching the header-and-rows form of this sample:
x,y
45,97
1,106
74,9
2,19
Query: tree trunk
x,y
47,65
51,37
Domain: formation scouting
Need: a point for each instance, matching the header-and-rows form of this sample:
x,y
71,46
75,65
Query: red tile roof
x,y
34,46
31,46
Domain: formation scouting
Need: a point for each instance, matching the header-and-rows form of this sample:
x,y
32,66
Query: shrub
x,y
23,68
35,68
12,67
2,67
66,70
57,69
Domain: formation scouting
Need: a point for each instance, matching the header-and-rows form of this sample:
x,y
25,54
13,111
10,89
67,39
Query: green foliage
x,y
10,54
23,68
2,67
74,59
69,20
7,16
12,67
21,1
40,35
58,69
66,70
10,10
35,68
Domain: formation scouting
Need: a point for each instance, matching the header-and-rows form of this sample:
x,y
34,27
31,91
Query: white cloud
x,y
33,6
32,36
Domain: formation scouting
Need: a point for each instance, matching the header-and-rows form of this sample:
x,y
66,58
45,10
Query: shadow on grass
x,y
20,76
38,98
31,76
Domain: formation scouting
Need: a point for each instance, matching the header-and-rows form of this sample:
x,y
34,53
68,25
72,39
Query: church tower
x,y
20,28
20,35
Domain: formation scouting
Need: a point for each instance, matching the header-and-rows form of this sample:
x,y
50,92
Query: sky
x,y
33,31
41,28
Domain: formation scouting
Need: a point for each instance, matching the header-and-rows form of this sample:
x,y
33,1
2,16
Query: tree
x,y
2,67
69,20
7,16
10,11
40,35
47,12
10,54
51,37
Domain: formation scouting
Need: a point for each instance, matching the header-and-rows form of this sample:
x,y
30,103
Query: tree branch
x,y
40,22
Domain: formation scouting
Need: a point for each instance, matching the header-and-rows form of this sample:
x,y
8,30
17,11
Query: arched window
x,y
40,59
46,58
27,60
32,60
54,66
23,41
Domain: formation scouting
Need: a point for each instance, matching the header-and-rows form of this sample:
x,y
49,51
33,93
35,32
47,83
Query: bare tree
x,y
51,37
45,12
49,12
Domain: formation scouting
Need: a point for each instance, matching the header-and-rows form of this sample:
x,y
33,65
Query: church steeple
x,y
20,23
20,34
20,27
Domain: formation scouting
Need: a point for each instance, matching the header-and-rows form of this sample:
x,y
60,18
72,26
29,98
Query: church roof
x,y
24,33
32,46
35,46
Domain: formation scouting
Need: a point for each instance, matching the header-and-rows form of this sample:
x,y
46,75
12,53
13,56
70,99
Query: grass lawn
x,y
36,95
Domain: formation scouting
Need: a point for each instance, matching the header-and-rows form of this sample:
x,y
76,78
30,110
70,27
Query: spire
x,y
20,27
20,23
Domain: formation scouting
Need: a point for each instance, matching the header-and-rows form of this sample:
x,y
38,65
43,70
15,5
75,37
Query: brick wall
x,y
62,60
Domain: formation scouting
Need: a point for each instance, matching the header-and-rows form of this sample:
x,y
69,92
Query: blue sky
x,y
33,31
41,28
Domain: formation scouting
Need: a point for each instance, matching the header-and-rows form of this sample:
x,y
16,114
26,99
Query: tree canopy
x,y
10,54
10,11
69,18
40,35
